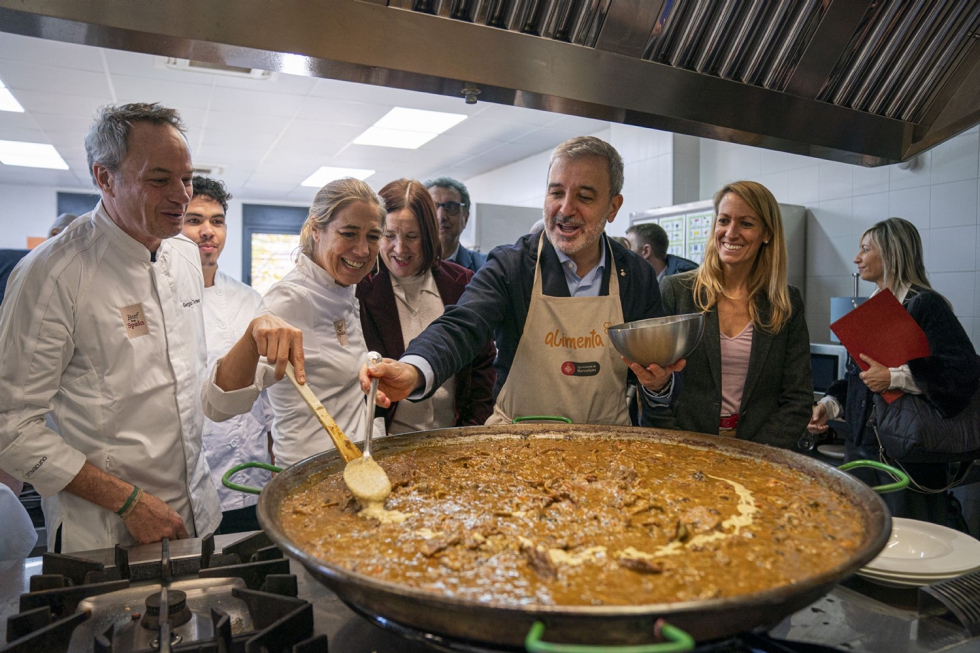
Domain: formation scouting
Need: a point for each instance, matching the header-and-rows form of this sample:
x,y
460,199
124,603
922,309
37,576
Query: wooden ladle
x,y
364,477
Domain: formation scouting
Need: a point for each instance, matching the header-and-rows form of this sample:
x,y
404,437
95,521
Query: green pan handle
x,y
226,479
540,418
901,478
676,641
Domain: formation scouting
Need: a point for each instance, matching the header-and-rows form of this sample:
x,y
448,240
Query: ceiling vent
x,y
189,65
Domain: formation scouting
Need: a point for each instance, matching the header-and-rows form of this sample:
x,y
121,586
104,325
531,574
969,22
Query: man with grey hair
x,y
548,301
452,213
651,242
103,330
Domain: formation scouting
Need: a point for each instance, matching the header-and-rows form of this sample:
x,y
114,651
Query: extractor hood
x,y
863,81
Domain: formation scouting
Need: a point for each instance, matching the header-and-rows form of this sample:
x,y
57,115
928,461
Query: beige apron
x,y
565,364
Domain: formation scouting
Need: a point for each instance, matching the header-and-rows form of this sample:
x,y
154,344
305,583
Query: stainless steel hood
x,y
863,81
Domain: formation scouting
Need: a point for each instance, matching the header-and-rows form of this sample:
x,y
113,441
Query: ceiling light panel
x,y
327,174
7,100
31,155
408,129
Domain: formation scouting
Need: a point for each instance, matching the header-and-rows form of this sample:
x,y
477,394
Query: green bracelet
x,y
129,502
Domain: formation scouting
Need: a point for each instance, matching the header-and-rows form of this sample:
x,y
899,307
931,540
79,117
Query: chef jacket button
x,y
221,325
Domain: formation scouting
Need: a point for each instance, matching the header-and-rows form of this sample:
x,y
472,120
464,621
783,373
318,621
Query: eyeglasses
x,y
451,208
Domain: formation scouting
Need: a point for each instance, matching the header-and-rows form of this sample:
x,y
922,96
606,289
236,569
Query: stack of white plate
x,y
919,553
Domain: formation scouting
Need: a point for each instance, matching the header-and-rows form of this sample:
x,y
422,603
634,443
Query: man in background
x,y
229,306
9,258
651,242
61,223
453,212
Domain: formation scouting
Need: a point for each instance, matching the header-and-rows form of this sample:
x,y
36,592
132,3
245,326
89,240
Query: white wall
x,y
940,197
27,211
648,179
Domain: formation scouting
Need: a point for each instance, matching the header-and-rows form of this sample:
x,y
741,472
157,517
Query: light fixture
x,y
31,155
7,100
408,129
327,174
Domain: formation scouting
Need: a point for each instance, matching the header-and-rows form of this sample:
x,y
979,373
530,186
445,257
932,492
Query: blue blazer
x,y
469,259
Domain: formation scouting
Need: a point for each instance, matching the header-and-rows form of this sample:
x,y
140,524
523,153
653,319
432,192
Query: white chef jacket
x,y
229,306
112,345
328,314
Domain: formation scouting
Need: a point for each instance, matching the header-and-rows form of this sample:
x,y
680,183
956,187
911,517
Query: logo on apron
x,y
590,368
135,320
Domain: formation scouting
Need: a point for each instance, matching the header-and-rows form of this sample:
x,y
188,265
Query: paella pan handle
x,y
226,479
901,478
676,641
542,418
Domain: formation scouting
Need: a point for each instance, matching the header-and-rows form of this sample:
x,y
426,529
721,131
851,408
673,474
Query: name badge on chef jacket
x,y
135,320
341,328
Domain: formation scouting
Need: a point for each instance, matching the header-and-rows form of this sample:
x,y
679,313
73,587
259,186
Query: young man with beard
x,y
547,301
229,306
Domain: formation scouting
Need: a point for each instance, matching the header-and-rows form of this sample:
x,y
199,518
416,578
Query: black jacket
x,y
495,304
778,392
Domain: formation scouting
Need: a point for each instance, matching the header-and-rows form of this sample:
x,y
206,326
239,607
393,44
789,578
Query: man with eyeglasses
x,y
548,301
453,212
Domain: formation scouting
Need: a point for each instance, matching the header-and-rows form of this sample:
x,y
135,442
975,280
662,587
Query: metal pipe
x,y
738,46
789,43
866,53
929,83
885,59
691,34
935,41
716,37
911,53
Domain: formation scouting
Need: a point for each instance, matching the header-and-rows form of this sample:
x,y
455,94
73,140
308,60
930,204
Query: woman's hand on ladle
x,y
395,380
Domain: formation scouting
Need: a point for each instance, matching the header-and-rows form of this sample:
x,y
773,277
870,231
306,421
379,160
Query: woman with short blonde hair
x,y
750,377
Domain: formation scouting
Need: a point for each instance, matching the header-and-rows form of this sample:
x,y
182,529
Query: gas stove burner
x,y
174,640
178,613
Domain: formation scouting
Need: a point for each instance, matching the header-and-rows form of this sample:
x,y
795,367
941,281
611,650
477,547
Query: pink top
x,y
735,354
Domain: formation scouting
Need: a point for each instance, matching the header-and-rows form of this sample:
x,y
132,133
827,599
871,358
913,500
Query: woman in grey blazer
x,y
750,376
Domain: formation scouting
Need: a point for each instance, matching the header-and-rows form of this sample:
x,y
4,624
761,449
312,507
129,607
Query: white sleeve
x,y
833,406
902,380
220,405
36,324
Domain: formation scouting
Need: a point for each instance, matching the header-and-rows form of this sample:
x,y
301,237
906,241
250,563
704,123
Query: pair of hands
x,y
398,380
877,377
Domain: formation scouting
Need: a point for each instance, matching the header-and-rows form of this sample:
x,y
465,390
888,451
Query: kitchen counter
x,y
856,616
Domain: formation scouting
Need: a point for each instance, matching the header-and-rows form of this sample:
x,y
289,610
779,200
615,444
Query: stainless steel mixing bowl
x,y
660,340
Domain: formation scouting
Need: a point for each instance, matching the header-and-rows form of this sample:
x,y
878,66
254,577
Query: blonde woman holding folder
x,y
890,256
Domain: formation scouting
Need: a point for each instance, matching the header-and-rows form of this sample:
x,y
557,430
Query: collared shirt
x,y
229,306
591,283
328,314
901,376
452,259
112,346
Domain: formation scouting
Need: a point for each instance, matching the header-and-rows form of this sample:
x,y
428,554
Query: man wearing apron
x,y
548,301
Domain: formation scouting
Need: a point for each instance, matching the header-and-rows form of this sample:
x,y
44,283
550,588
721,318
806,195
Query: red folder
x,y
883,330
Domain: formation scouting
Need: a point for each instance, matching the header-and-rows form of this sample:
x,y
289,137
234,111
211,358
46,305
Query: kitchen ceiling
x,y
266,135
870,82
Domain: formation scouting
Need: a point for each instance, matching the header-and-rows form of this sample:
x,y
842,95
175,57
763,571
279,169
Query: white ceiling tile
x,y
25,135
14,47
50,122
481,128
20,76
13,120
175,95
266,103
245,122
328,110
214,138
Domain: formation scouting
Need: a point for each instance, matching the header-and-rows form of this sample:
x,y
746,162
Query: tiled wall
x,y
939,195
